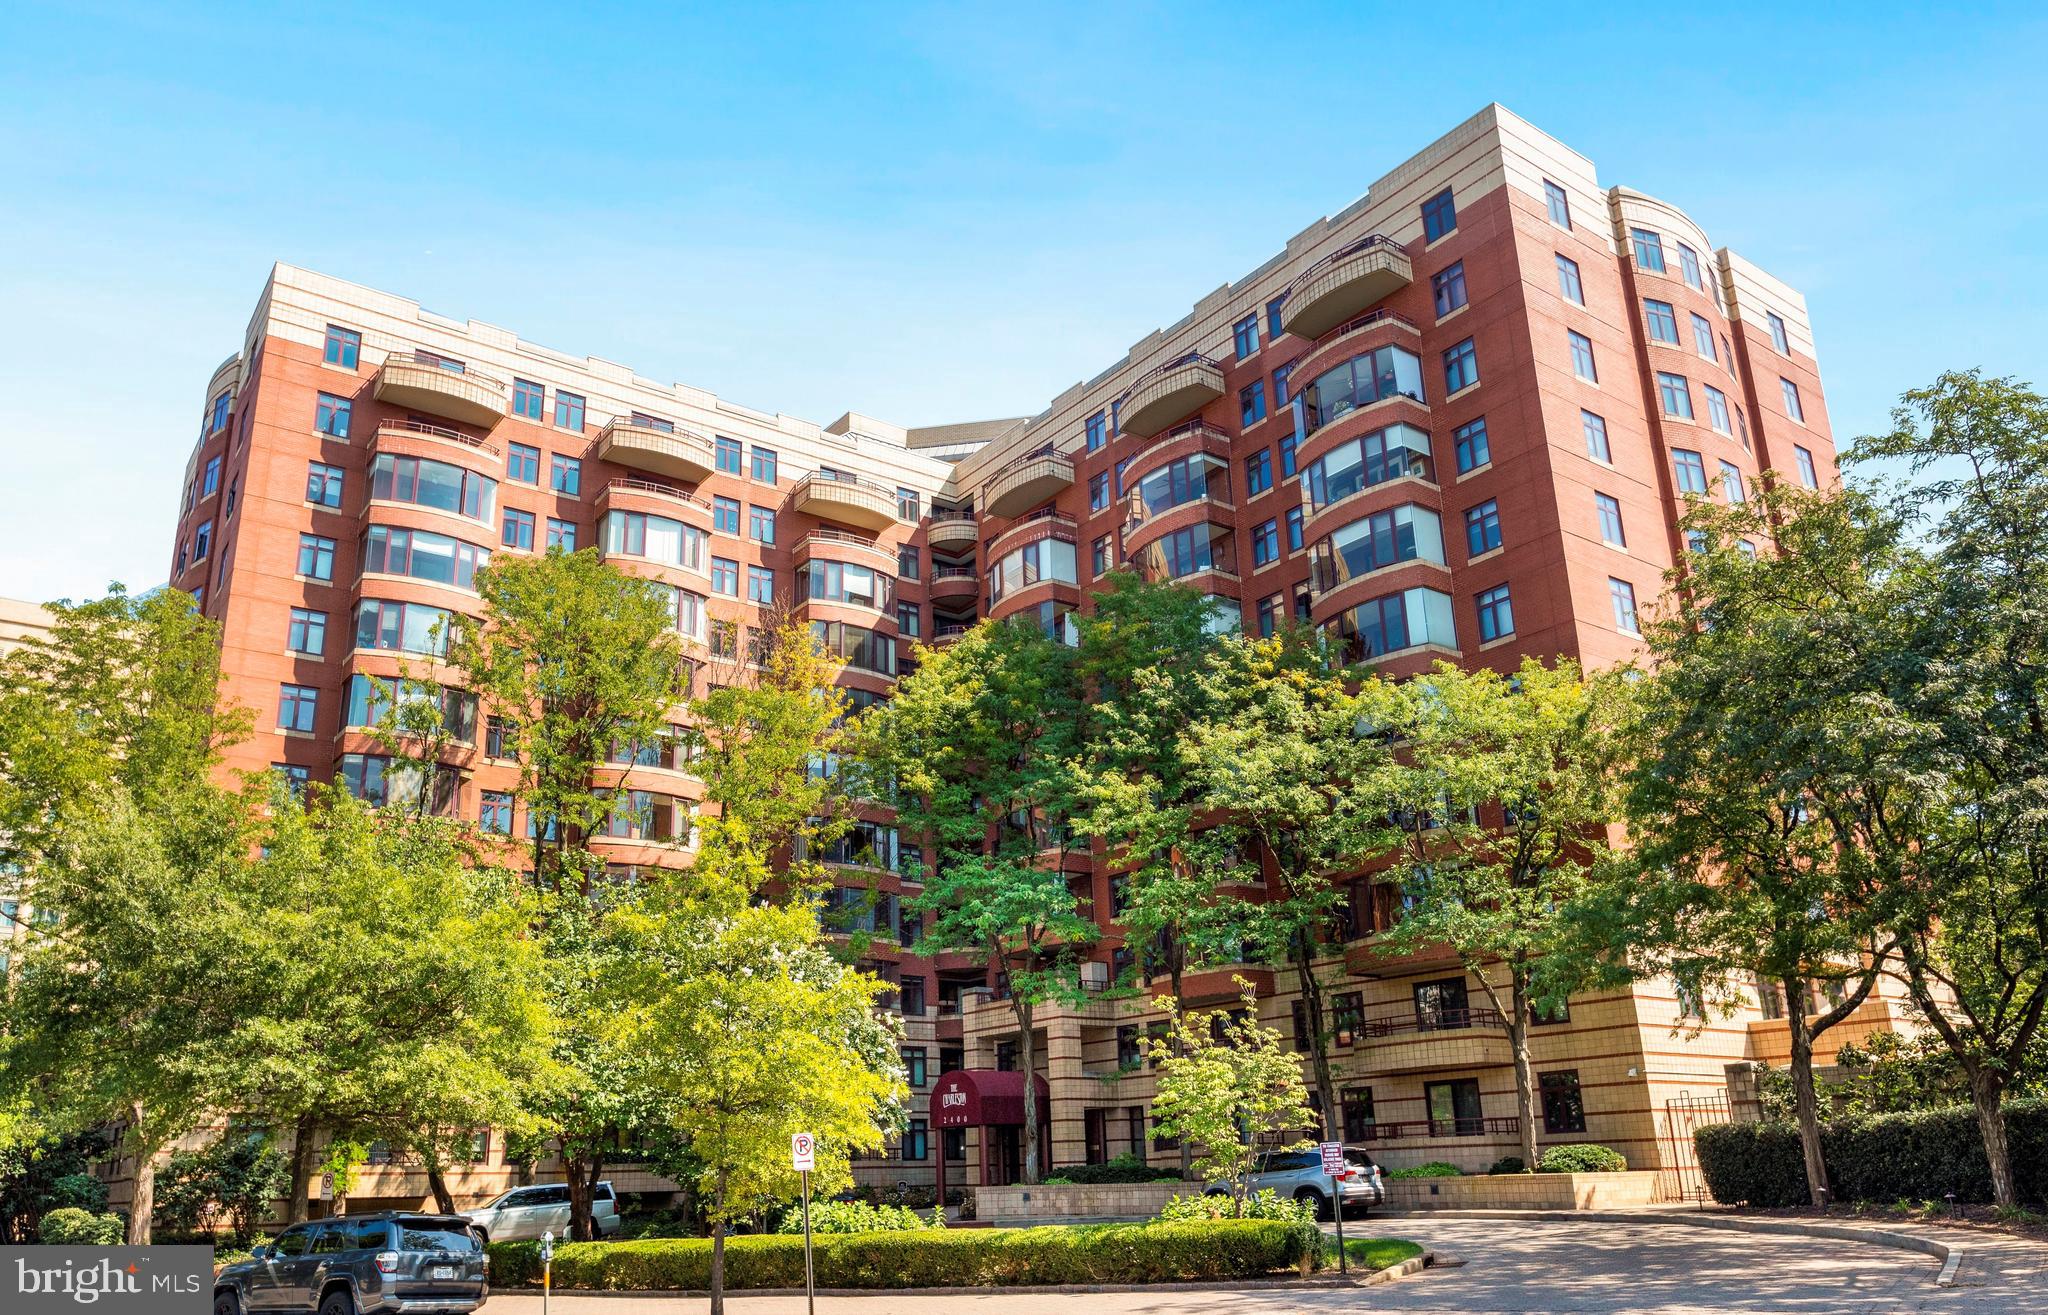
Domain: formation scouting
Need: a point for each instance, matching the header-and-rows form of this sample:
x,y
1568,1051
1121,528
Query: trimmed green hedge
x,y
1881,1158
1101,1253
1582,1157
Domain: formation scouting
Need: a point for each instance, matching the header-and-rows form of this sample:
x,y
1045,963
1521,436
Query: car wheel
x,y
226,1303
338,1302
1309,1194
1215,1191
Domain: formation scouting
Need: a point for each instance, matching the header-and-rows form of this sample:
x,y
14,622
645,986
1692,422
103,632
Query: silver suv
x,y
1299,1175
524,1213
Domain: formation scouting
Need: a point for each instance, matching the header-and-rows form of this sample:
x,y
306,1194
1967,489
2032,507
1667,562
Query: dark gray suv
x,y
386,1262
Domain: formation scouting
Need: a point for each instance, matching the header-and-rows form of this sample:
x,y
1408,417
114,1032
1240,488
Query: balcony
x,y
1026,482
954,582
1170,394
1421,1129
951,533
438,386
1445,1040
846,500
948,633
1345,283
674,453
829,545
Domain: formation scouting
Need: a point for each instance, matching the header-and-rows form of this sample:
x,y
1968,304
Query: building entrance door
x,y
1005,1155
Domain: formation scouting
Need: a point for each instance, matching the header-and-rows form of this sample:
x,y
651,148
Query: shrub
x,y
1508,1164
1263,1204
1125,1168
1434,1169
1582,1158
231,1182
1120,1253
1880,1158
857,1217
73,1227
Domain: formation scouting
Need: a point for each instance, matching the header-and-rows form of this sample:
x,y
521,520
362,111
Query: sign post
x,y
803,1157
547,1267
1333,1168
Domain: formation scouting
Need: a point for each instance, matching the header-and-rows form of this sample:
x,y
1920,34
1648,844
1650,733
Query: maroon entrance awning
x,y
985,1098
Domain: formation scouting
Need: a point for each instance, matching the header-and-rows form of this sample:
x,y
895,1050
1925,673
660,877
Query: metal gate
x,y
1684,1114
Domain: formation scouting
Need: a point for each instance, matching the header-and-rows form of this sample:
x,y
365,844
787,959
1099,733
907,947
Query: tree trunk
x,y
1302,948
1804,1105
144,1203
437,1183
1525,1076
1027,1059
303,1134
718,1247
597,1163
574,1169
1177,967
1987,1093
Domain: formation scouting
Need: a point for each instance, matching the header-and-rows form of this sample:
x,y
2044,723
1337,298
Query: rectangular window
x,y
1461,367
1287,464
1568,285
909,619
1258,473
1596,437
497,731
1649,249
725,576
909,505
1245,333
1717,408
297,707
1294,519
1098,557
1098,491
1097,429
316,557
761,524
760,585
1496,614
1804,460
1703,336
522,463
494,813
331,415
1675,395
1251,403
565,474
343,347
562,534
1624,595
517,529
1563,1110
1779,339
1560,205
323,484
202,541
1792,406
1269,615
1689,471
1470,442
725,454
568,411
1731,482
308,633
1281,378
907,561
1453,1107
1273,316
1447,286
209,483
296,779
763,464
1482,528
1689,267
1439,216
1266,544
1663,323
1610,521
529,400
1582,356
725,514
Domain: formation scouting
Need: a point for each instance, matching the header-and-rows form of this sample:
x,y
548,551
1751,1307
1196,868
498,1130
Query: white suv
x,y
1299,1175
524,1213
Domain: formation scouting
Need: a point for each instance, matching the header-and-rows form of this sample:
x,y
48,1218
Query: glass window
x,y
1624,595
308,632
760,585
403,627
435,484
1804,461
518,529
761,524
202,541
1689,267
1439,216
323,484
725,576
1792,406
763,464
1496,614
1610,520
1482,528
1471,444
562,534
434,557
1097,430
1582,356
1258,473
726,454
209,483
1203,547
1447,287
1294,523
909,505
909,620
494,813
1245,333
568,411
529,400
1689,470
343,346
1568,285
860,648
1461,367
1663,324
1717,408
1675,395
907,562
316,557
565,474
1595,428
296,779
1388,538
1098,557
522,463
1396,452
1287,446
1703,336
331,415
1280,378
725,514
1779,339
1370,377
1649,249
1564,1111
1731,482
1269,616
1251,403
1273,315
1390,624
1559,204
1098,490
297,707
1034,563
1266,543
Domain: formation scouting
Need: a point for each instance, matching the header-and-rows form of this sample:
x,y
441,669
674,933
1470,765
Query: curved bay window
x,y
377,780
1370,377
859,648
1203,547
656,538
1034,563
436,558
404,627
370,703
1386,625
841,582
643,815
1387,538
1358,464
1054,620
1177,483
435,484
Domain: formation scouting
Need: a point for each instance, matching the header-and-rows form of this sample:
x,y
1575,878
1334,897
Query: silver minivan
x,y
524,1213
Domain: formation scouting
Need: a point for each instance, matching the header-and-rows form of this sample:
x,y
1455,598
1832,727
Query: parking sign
x,y
1333,1158
803,1153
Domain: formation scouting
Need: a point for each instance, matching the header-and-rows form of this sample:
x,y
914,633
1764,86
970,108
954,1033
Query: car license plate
x,y
442,1271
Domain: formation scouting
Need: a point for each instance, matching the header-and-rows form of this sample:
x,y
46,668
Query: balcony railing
x,y
1365,321
1441,1020
1419,1128
421,382
627,485
1025,482
1345,282
829,495
1169,393
953,573
426,430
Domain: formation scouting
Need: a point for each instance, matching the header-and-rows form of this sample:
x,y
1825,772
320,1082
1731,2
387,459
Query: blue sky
x,y
927,213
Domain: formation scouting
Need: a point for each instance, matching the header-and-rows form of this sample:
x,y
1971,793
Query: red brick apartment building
x,y
1458,419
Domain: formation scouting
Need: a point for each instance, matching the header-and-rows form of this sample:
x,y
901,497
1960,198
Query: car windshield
x,y
434,1235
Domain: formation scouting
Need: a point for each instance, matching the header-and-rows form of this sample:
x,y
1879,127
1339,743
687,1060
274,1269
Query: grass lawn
x,y
1370,1253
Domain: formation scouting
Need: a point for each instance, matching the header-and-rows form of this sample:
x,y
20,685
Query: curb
x,y
1950,1254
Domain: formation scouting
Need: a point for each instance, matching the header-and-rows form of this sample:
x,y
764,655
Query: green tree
x,y
1226,1085
982,745
1499,895
236,1180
